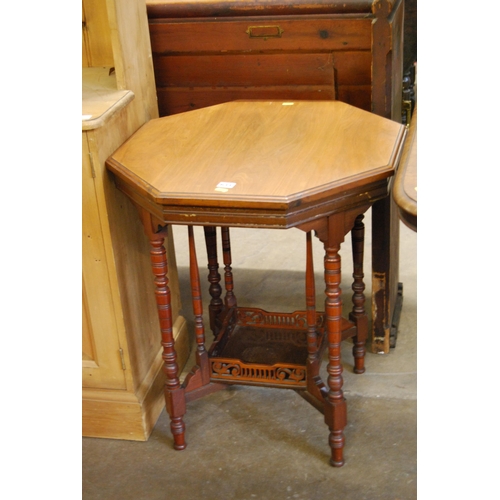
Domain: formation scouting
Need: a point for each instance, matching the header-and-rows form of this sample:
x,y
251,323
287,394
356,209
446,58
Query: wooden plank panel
x,y
352,67
244,70
218,8
179,100
96,34
229,35
356,95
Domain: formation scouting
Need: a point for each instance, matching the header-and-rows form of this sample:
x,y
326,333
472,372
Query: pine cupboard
x,y
122,377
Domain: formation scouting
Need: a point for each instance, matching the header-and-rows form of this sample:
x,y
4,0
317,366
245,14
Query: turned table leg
x,y
201,352
229,299
335,405
312,338
215,306
358,313
174,393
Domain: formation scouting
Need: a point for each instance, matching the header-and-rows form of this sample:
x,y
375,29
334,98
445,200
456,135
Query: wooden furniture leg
x,y
387,292
358,314
316,389
214,278
174,393
229,299
197,382
201,352
335,405
312,340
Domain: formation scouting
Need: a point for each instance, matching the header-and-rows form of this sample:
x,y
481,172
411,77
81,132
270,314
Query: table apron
x,y
248,216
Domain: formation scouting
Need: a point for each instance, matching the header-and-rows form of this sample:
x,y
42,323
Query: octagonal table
x,y
316,166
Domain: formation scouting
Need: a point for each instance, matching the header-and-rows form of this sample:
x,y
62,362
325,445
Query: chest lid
x,y
228,8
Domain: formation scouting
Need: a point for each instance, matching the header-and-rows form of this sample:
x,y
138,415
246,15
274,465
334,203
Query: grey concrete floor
x,y
259,443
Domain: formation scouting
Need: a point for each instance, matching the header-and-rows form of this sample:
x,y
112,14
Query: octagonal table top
x,y
275,156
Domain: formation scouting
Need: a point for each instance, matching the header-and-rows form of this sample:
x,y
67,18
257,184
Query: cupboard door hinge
x,y
123,358
92,169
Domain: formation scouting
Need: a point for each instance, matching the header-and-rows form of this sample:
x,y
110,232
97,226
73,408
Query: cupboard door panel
x,y
101,360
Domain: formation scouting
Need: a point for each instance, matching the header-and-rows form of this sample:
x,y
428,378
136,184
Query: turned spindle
x,y
215,290
358,313
229,299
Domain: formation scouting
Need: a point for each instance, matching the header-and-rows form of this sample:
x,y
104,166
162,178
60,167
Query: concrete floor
x,y
254,443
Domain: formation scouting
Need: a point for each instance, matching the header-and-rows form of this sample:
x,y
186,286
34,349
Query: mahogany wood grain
x,y
214,277
174,100
358,314
250,70
280,155
230,297
320,34
312,336
335,405
173,389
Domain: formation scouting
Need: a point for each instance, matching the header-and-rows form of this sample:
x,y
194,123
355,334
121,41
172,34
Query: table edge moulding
x,y
357,149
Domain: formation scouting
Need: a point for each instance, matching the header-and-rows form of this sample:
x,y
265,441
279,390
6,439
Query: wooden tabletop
x,y
258,154
405,182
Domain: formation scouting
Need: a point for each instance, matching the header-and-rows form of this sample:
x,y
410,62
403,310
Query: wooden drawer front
x,y
191,82
244,70
250,35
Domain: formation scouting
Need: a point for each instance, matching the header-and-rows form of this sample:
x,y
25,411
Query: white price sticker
x,y
226,185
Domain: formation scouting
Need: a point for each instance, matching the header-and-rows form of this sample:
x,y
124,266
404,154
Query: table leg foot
x,y
337,459
178,432
336,419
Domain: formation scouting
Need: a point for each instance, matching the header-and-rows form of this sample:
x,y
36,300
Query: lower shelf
x,y
256,347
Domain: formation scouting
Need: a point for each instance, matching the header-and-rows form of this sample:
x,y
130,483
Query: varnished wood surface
x,y
405,182
231,36
194,8
202,62
100,97
274,152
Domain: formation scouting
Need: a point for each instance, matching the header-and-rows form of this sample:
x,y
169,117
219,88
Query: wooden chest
x,y
211,51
